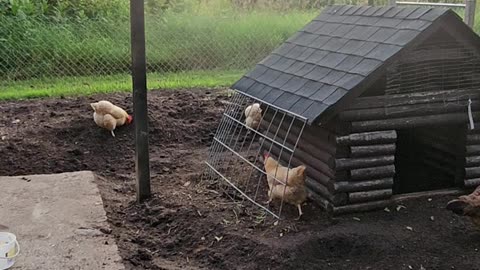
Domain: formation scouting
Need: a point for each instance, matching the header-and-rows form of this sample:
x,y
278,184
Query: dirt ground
x,y
188,224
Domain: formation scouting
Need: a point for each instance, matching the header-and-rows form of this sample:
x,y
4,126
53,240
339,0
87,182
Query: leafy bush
x,y
64,9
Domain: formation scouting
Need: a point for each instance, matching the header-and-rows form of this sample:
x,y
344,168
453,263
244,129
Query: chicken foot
x,y
270,199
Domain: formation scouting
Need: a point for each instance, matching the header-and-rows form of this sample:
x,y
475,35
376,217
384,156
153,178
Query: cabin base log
x,y
322,202
372,173
472,183
473,139
373,150
359,163
472,150
335,199
473,172
368,138
360,207
373,195
472,161
385,183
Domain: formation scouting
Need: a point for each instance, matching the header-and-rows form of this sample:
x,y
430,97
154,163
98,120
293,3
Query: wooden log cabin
x,y
390,95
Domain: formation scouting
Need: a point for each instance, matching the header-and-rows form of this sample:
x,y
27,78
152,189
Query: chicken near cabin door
x,y
109,116
467,205
292,189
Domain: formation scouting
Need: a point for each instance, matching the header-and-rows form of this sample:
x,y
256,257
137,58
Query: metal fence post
x,y
140,110
470,12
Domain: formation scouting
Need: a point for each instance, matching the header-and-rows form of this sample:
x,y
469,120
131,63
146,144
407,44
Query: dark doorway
x,y
429,158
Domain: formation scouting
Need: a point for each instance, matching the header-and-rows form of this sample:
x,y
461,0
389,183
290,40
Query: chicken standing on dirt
x,y
253,114
468,205
109,116
294,190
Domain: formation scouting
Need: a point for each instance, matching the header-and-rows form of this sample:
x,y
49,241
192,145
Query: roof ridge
x,y
384,11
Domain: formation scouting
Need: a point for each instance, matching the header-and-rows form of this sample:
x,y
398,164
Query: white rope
x,y
470,116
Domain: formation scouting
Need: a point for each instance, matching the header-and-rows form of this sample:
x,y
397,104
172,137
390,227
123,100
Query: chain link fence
x,y
234,39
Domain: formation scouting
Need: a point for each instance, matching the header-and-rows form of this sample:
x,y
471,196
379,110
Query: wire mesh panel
x,y
443,73
251,146
433,89
435,67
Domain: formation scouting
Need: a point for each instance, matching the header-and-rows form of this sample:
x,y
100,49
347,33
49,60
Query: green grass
x,y
476,25
89,85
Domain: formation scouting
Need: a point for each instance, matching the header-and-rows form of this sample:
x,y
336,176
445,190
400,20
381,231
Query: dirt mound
x,y
59,135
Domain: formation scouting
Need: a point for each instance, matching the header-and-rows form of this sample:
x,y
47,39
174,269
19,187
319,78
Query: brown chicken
x,y
294,191
109,116
468,205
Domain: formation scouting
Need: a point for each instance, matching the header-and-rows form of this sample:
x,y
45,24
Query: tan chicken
x,y
109,116
468,205
294,192
253,116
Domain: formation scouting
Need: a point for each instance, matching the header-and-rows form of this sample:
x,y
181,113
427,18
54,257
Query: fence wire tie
x,y
470,116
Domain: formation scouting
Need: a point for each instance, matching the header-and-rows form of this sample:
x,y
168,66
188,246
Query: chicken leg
x,y
300,212
270,198
113,134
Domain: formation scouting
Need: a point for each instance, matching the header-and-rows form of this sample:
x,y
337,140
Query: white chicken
x,y
253,116
109,116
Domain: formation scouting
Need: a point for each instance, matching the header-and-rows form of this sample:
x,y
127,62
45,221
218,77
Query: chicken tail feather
x,y
301,170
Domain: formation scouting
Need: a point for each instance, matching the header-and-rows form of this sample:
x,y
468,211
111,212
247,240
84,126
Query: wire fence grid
x,y
236,161
38,46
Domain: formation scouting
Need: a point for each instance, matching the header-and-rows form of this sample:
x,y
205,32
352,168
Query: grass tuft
x,y
89,85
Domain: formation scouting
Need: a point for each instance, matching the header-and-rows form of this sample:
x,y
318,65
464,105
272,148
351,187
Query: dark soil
x,y
190,225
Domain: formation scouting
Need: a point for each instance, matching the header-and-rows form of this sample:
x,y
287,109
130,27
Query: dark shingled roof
x,y
334,54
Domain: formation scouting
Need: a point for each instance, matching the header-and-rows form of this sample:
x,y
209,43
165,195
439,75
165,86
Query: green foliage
x,y
64,9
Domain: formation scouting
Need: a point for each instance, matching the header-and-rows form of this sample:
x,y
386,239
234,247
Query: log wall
x,y
472,159
353,169
316,149
366,172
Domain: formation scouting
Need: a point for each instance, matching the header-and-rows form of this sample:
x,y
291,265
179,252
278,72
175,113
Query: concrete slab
x,y
58,220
